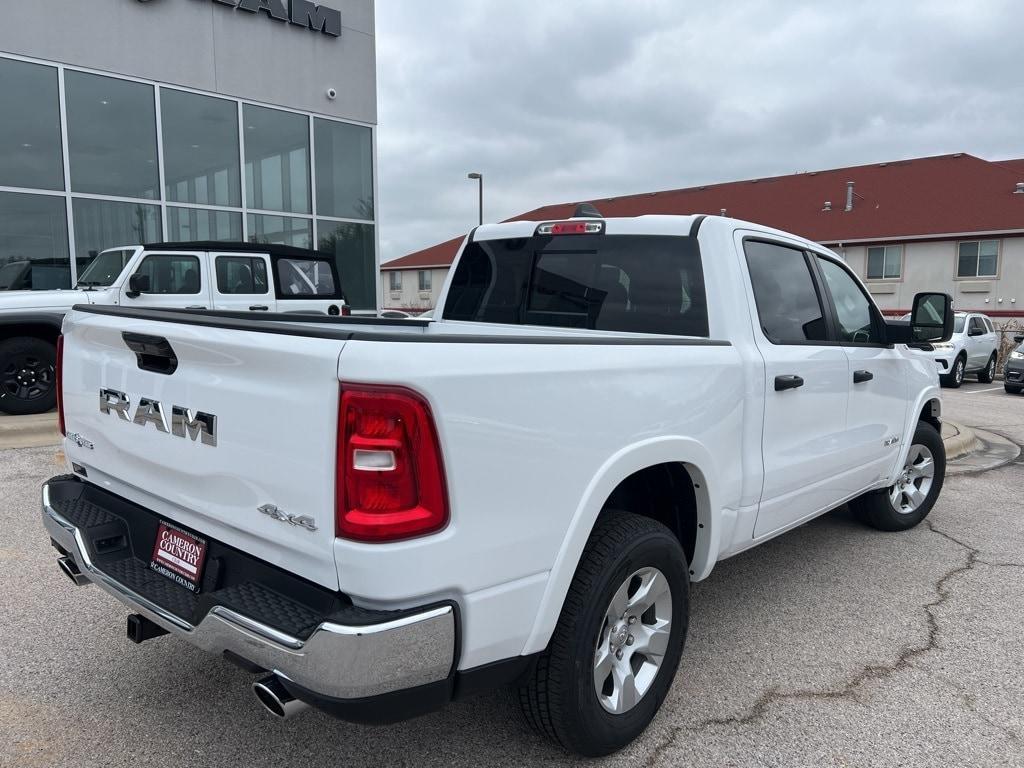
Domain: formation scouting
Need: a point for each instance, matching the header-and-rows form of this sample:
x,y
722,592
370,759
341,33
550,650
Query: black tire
x,y
559,699
876,508
1013,389
28,376
988,373
955,377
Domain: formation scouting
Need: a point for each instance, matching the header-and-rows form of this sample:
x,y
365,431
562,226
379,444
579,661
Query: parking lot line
x,y
975,391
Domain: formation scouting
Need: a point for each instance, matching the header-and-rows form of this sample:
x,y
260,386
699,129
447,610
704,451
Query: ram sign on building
x,y
138,121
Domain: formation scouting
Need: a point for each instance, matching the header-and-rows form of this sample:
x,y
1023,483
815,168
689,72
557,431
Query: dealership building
x,y
138,121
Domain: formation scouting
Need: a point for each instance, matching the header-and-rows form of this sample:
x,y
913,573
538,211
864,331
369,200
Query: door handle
x,y
859,377
259,308
788,382
196,306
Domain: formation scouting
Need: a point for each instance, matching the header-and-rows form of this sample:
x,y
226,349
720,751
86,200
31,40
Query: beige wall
x,y
931,266
410,296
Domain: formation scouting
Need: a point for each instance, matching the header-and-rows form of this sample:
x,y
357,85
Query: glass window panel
x,y
30,146
344,170
876,263
172,274
354,252
276,160
893,260
111,136
242,275
191,224
987,266
33,242
787,302
425,281
853,310
284,230
967,263
100,224
305,277
395,281
200,149
989,247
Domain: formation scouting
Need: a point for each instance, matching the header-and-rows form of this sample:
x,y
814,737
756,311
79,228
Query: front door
x,y
176,280
806,384
877,413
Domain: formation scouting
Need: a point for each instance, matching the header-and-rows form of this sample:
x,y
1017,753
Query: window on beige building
x,y
885,262
425,279
395,281
978,258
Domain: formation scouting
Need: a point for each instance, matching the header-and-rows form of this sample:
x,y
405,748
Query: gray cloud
x,y
575,100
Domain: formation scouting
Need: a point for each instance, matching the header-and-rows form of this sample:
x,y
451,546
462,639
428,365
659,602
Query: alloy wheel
x,y
915,480
958,371
27,377
633,640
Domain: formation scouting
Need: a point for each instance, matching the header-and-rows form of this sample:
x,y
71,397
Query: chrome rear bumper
x,y
336,661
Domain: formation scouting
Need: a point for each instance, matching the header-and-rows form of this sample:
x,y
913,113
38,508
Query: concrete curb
x,y
959,440
29,431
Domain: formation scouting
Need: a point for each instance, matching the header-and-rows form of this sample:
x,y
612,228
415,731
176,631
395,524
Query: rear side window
x,y
631,283
305,277
172,273
787,303
241,275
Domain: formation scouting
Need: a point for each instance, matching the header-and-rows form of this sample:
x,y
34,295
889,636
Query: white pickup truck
x,y
377,516
206,275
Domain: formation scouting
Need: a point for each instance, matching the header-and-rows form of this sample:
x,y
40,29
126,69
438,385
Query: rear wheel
x,y
988,373
956,375
615,650
908,501
28,376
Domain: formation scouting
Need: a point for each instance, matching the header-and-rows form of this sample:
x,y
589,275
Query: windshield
x,y
104,269
958,327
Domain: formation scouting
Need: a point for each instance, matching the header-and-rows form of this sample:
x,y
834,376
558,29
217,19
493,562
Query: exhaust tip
x,y
276,699
70,569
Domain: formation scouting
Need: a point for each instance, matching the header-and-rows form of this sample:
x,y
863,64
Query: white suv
x,y
973,349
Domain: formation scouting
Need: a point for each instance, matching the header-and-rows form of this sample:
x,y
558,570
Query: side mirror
x,y
1018,339
932,319
137,284
976,332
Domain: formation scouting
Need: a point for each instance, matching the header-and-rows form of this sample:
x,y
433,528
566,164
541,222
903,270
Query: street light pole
x,y
479,178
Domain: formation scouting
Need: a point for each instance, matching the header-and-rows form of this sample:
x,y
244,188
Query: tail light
x,y
346,310
59,383
390,479
571,228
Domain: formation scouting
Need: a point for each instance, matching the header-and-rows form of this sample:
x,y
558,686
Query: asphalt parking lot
x,y
832,645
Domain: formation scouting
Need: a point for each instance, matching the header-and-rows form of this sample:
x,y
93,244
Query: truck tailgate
x,y
275,399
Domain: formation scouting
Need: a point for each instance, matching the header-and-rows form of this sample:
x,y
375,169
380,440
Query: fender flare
x,y
53,320
930,393
664,450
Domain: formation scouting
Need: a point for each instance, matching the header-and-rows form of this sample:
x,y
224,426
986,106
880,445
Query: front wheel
x,y
619,638
956,376
988,373
908,501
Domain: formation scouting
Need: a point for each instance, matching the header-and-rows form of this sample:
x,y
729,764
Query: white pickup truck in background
x,y
207,275
378,516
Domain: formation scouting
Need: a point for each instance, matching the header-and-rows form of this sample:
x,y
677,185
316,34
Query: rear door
x,y
242,282
806,387
176,280
878,395
979,345
274,400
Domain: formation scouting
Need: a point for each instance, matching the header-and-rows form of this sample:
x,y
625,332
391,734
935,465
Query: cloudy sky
x,y
569,100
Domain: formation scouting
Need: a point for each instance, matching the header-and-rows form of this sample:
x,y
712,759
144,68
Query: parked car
x,y
1013,372
973,349
230,276
378,516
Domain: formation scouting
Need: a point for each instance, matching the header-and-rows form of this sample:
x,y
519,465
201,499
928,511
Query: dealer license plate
x,y
179,555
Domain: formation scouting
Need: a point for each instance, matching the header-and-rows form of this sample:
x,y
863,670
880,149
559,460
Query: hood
x,y
23,301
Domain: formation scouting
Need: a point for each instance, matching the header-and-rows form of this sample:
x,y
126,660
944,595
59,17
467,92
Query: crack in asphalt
x,y
869,673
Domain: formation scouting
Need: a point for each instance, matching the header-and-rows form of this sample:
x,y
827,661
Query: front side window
x,y
787,302
305,277
976,328
171,273
885,262
853,309
425,280
396,281
242,275
978,258
630,283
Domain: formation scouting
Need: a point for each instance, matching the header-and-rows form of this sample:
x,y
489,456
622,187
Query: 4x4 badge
x,y
300,521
